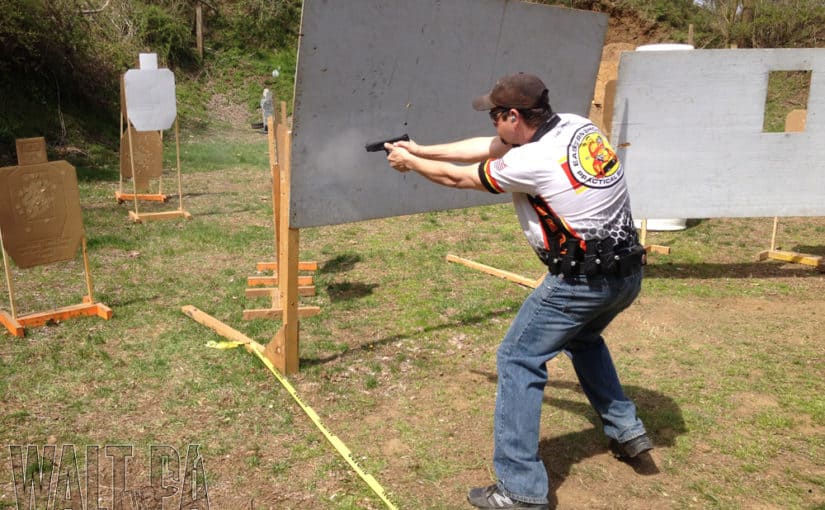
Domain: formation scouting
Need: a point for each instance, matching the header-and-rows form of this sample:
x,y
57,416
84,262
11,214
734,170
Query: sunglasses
x,y
496,113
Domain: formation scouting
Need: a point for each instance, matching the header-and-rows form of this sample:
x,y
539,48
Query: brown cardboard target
x,y
31,151
147,150
40,213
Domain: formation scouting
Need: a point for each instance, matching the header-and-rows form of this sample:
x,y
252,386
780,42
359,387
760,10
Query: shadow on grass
x,y
340,264
369,346
345,291
661,415
767,269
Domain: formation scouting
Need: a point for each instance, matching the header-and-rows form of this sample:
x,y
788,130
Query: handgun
x,y
379,144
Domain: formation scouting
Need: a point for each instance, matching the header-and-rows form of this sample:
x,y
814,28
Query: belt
x,y
595,261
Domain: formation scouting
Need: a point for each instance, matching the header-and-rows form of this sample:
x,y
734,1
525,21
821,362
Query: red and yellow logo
x,y
591,161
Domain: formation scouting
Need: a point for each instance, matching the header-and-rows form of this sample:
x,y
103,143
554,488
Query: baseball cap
x,y
519,91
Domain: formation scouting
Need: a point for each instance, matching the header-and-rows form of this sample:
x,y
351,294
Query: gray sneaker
x,y
492,497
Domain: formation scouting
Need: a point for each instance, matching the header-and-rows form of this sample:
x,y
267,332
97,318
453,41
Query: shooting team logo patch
x,y
591,161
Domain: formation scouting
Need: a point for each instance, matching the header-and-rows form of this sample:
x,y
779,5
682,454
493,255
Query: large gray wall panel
x,y
691,123
371,69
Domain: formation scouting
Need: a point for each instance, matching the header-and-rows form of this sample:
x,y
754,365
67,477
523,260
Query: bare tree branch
x,y
95,11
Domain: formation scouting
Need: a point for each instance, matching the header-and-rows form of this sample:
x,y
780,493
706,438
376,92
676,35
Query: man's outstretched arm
x,y
440,172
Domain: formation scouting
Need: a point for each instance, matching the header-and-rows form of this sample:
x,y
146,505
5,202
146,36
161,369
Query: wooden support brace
x,y
276,313
146,197
220,328
790,256
16,327
793,257
270,292
263,281
273,266
140,218
11,324
507,275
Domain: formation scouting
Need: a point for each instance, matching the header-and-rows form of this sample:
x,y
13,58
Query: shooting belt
x,y
569,255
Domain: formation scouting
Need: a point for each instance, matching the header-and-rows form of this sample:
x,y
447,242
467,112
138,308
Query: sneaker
x,y
631,448
492,497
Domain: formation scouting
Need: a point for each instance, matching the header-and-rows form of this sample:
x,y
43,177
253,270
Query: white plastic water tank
x,y
663,224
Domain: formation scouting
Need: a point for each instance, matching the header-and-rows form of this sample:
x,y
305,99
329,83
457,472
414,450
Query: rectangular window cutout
x,y
786,103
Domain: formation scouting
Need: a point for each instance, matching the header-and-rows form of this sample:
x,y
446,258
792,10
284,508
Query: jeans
x,y
562,314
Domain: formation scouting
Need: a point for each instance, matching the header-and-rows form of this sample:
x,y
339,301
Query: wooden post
x,y
90,296
283,113
132,164
9,283
277,151
177,160
773,234
199,28
643,232
275,169
282,350
690,34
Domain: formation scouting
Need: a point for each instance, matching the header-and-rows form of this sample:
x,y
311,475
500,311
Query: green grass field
x,y
724,356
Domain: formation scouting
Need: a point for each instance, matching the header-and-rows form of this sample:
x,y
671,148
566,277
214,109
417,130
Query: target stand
x,y
147,108
268,286
41,223
795,122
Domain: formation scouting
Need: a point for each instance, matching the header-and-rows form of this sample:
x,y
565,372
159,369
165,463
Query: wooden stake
x,y
160,178
275,171
282,350
120,138
9,283
177,159
90,296
283,113
132,164
643,232
773,234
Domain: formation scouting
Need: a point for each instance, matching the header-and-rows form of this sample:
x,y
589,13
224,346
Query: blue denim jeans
x,y
562,314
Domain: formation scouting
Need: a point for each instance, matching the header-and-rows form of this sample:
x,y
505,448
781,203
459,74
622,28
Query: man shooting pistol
x,y
378,145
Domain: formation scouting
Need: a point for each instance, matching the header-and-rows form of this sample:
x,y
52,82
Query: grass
x,y
722,354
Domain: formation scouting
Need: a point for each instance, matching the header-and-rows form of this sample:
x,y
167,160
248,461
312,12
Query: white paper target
x,y
150,98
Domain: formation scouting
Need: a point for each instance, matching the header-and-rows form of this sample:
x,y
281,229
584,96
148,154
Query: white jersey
x,y
566,183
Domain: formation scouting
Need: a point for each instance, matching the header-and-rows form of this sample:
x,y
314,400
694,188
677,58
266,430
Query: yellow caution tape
x,y
332,438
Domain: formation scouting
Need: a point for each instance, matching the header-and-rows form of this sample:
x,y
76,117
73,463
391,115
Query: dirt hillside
x,y
625,32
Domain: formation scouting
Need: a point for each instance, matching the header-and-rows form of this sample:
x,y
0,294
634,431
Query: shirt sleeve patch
x,y
487,179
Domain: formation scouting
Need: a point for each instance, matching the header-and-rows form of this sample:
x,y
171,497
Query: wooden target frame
x,y
795,122
268,286
138,149
14,322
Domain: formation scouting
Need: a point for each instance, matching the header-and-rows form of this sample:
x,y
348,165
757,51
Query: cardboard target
x,y
147,151
31,151
40,213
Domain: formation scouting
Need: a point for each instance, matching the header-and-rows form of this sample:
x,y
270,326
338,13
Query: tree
x,y
768,23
